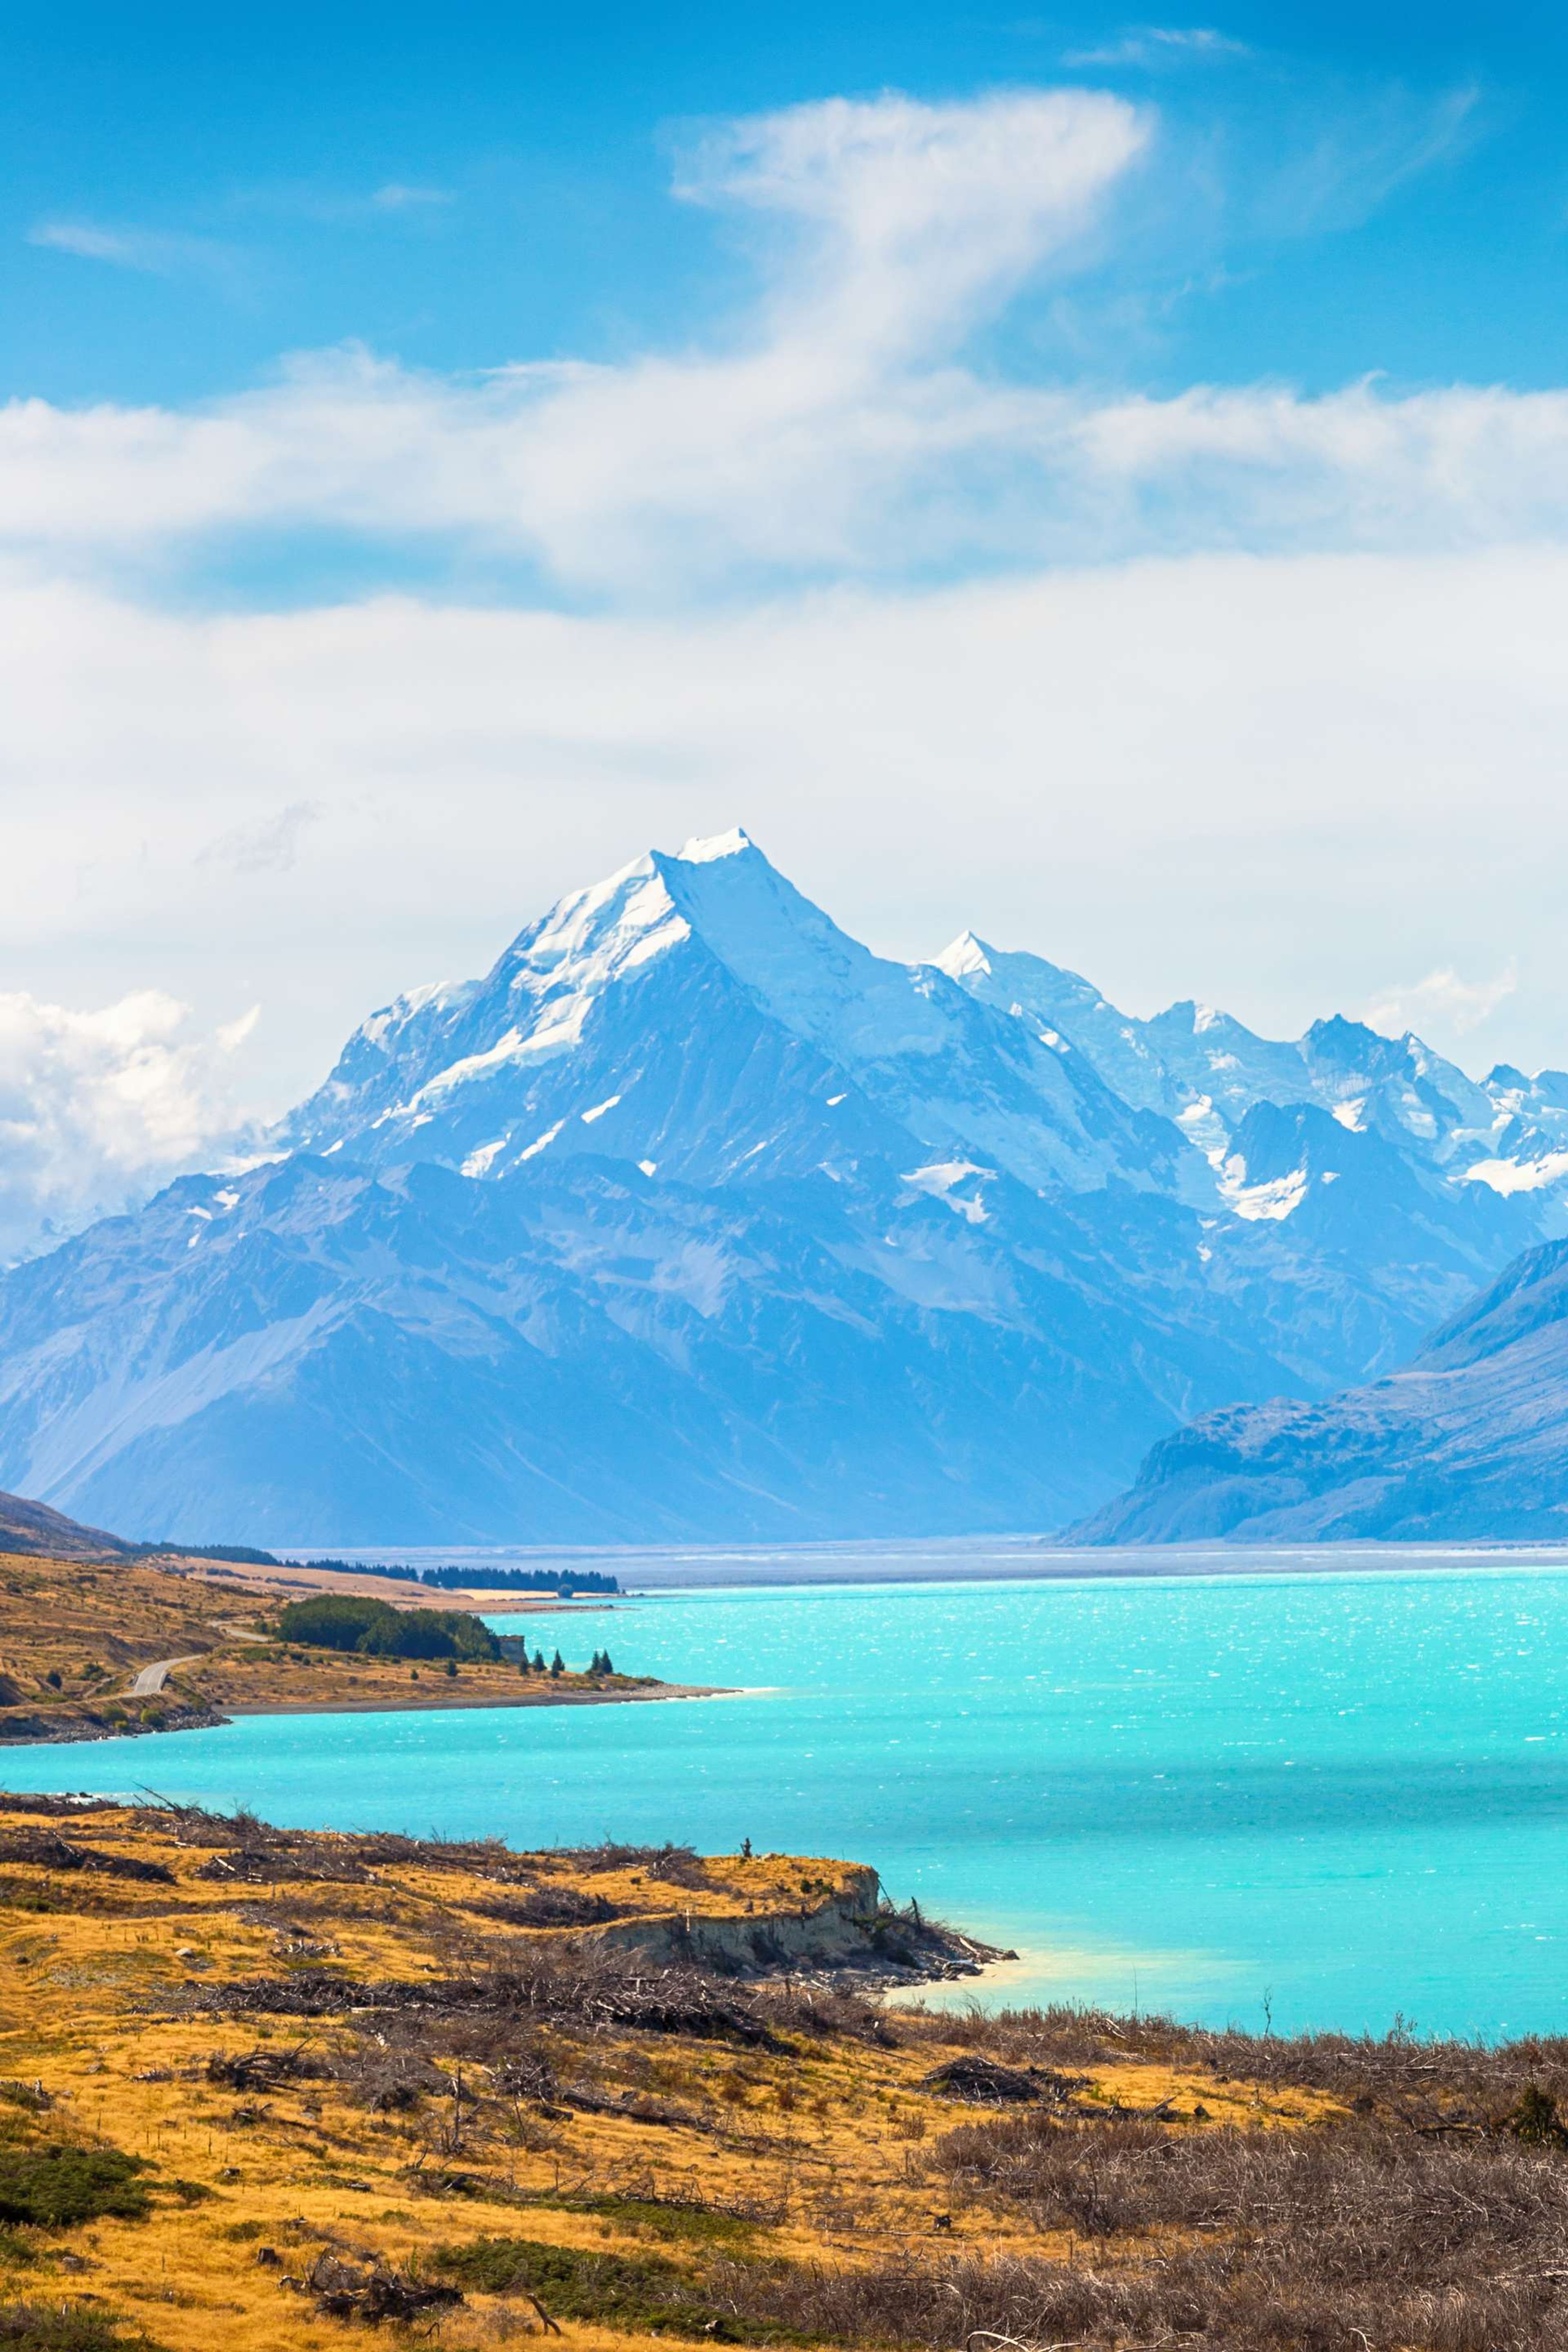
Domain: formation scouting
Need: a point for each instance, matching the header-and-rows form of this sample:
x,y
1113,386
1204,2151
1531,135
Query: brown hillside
x,y
28,1526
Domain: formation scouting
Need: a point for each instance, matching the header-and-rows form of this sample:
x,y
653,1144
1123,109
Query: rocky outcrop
x,y
59,1726
852,1933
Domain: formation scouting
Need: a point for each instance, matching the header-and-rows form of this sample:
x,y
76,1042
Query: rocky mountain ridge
x,y
1469,1443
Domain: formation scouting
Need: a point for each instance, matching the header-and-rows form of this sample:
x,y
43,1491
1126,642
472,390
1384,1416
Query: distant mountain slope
x,y
1470,1440
693,1219
319,1352
1367,1186
34,1528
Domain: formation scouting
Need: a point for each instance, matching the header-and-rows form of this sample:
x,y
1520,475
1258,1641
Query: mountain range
x,y
694,1219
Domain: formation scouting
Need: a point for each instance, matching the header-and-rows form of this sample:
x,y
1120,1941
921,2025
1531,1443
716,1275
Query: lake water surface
x,y
1341,1794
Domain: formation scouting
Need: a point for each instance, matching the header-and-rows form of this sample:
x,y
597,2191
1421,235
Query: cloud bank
x,y
1232,692
94,1106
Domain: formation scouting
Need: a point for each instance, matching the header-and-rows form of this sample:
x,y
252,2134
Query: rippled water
x,y
1345,1794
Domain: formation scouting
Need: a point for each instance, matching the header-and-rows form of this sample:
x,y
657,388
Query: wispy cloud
x,y
901,226
1443,999
1358,154
340,207
399,196
836,426
160,252
269,846
1160,44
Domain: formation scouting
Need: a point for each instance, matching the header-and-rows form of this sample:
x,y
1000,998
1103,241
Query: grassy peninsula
x,y
260,2089
90,1649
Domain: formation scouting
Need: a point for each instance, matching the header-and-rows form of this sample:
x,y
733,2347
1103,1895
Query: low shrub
x,y
57,2186
643,2293
64,2328
677,2222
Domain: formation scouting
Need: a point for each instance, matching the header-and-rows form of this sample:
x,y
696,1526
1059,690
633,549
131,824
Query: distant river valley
x,y
1331,1799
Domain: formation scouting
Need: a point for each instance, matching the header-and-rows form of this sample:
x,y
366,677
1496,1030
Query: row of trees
x,y
342,1620
334,1621
565,1584
598,1664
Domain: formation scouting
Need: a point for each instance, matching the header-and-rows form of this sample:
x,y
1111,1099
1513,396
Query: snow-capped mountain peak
x,y
706,851
583,1036
588,936
965,955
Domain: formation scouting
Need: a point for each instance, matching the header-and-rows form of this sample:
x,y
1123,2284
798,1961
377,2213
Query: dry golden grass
x,y
820,2136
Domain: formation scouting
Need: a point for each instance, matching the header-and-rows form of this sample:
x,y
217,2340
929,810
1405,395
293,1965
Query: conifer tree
x,y
539,1661
557,1664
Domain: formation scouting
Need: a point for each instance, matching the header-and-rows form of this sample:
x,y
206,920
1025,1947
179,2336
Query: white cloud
x,y
232,1034
1148,44
96,1107
837,429
810,439
668,475
1265,783
1458,1005
161,252
916,215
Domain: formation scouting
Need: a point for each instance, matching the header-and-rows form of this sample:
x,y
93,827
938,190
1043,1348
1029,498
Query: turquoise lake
x,y
1343,1795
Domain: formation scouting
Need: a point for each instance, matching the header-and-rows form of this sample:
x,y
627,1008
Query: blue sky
x,y
521,156
1097,479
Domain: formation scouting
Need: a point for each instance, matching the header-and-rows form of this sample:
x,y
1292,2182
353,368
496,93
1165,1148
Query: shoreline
x,y
486,1701
213,1718
657,1573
